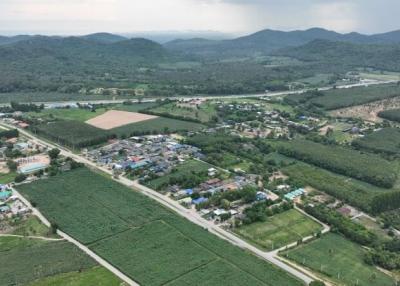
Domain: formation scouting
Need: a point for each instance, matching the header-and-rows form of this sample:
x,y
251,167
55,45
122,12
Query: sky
x,y
73,17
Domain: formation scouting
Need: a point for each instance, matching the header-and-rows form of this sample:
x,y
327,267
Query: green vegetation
x,y
74,134
31,226
201,113
385,141
94,276
170,255
76,114
115,218
392,114
338,260
369,168
7,178
156,126
279,230
188,174
349,190
24,260
345,97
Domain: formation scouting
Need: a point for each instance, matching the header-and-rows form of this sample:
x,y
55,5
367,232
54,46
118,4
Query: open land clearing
x,y
368,111
279,230
115,118
338,260
127,219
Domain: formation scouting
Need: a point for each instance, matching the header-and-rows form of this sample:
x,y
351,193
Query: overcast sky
x,y
229,16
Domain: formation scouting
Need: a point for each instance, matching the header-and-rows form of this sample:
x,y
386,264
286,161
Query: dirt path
x,y
32,237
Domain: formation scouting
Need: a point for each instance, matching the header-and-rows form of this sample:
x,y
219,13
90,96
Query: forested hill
x,y
266,41
385,57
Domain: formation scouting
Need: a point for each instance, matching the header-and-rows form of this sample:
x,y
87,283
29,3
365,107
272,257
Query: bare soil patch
x,y
368,111
115,118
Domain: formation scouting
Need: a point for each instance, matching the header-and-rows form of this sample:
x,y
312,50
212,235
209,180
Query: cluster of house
x,y
10,205
157,154
13,121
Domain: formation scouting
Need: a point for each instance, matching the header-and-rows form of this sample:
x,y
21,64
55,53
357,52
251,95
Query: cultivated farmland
x,y
393,115
129,229
23,260
339,260
345,97
349,190
279,230
345,161
385,141
71,133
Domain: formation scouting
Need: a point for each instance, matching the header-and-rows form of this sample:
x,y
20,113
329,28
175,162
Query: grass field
x,y
279,230
203,113
132,231
96,276
182,170
23,260
339,260
32,226
7,178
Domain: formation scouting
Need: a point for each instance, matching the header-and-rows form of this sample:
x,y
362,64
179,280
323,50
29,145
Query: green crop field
x,y
156,126
170,255
97,276
279,230
131,231
366,167
386,141
72,133
339,260
352,191
345,97
392,114
24,260
203,113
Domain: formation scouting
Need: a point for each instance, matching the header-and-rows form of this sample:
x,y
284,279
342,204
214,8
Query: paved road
x,y
85,249
191,215
269,94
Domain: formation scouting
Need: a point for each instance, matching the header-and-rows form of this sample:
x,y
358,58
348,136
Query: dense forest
x,y
266,60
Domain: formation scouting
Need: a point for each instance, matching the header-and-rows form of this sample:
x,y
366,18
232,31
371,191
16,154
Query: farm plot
x,y
339,260
366,167
78,114
161,254
385,141
71,133
392,114
156,126
279,230
349,190
141,224
345,97
23,260
202,113
116,118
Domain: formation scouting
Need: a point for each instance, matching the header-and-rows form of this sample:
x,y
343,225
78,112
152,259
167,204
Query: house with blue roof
x,y
199,200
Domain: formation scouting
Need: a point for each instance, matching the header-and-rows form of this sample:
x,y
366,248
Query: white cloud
x,y
84,16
